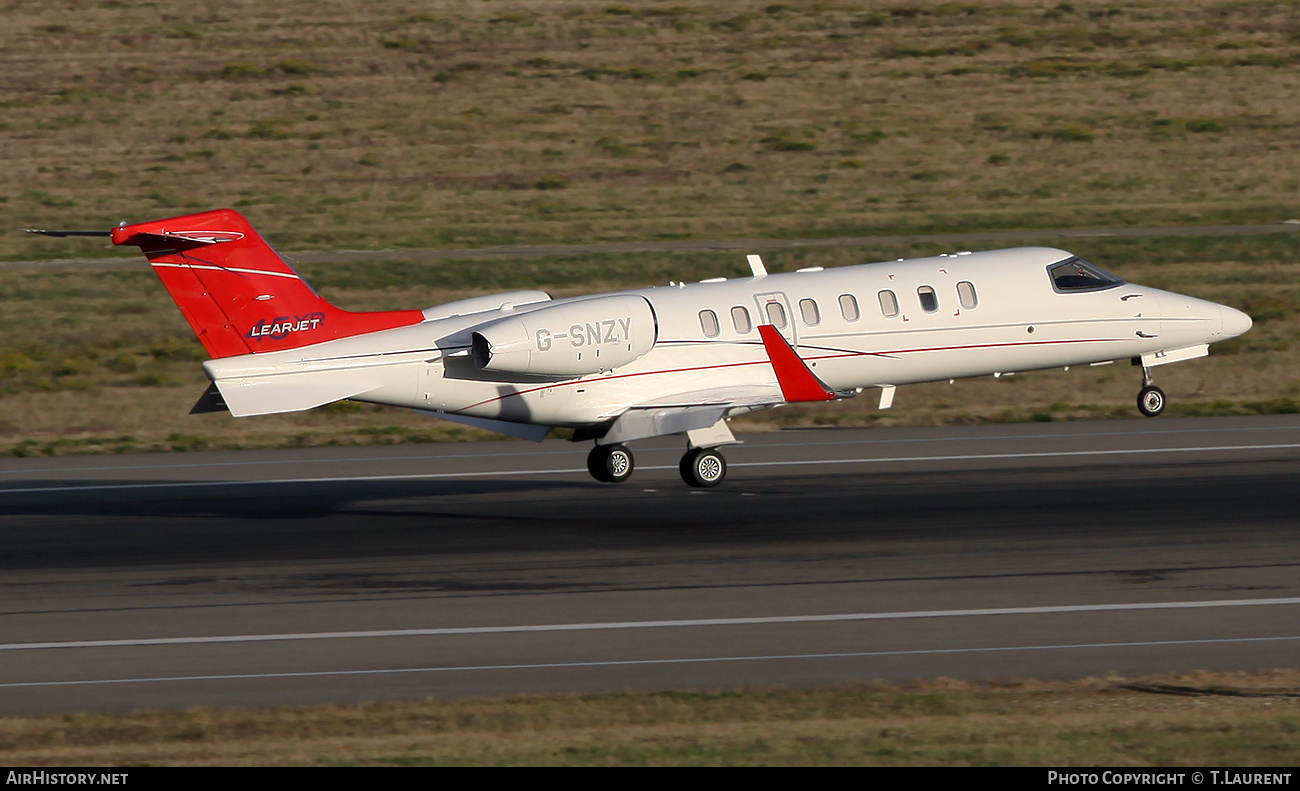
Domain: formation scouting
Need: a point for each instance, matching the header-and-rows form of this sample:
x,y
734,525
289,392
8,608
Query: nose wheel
x,y
703,468
1151,401
610,463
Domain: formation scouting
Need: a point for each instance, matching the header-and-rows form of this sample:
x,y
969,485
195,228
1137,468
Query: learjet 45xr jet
x,y
680,359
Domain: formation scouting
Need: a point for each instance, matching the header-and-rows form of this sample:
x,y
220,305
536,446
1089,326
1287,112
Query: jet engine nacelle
x,y
571,339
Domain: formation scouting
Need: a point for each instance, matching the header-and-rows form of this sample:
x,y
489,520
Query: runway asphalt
x,y
828,557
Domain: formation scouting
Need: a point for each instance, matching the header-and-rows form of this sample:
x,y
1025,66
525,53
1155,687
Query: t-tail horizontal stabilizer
x,y
44,232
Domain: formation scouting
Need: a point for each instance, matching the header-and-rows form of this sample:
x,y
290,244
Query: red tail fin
x,y
237,293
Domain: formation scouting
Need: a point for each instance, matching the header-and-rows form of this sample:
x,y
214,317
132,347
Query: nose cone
x,y
1234,321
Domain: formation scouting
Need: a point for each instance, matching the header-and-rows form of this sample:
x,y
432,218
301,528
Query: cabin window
x,y
740,320
966,294
776,314
929,302
1077,274
808,310
888,303
849,307
709,323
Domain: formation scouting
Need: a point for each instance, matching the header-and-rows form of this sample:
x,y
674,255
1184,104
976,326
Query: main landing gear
x,y
702,468
1151,399
610,463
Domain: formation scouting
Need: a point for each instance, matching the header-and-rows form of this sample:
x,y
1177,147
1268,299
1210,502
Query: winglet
x,y
798,383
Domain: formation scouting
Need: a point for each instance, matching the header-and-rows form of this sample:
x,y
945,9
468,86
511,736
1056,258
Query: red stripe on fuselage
x,y
765,362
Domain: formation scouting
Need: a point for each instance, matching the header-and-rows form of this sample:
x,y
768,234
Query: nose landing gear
x,y
1151,399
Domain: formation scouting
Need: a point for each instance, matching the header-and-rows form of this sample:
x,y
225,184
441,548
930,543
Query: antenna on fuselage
x,y
756,265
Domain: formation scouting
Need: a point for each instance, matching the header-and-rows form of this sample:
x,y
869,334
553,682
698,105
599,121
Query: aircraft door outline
x,y
773,306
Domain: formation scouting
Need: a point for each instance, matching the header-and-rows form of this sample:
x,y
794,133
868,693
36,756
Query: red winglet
x,y
797,382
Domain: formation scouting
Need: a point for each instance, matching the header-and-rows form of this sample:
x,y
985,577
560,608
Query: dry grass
x,y
338,123
1096,722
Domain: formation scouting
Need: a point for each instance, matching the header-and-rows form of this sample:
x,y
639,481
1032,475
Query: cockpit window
x,y
1077,274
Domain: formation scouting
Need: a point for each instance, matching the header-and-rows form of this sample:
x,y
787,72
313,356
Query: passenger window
x,y
811,315
709,323
929,302
888,304
966,294
740,320
776,314
849,307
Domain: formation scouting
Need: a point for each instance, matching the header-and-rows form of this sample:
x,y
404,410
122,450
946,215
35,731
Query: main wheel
x,y
610,463
1151,401
703,468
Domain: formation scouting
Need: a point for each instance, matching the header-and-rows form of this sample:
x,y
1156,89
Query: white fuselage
x,y
1006,316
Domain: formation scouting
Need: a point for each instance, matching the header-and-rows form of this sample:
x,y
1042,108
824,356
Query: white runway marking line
x,y
569,471
643,662
615,625
1040,455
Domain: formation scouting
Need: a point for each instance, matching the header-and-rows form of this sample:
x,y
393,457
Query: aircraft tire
x,y
703,468
610,463
1151,401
